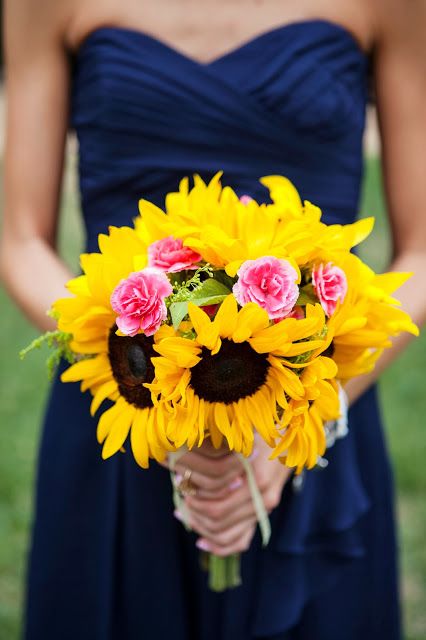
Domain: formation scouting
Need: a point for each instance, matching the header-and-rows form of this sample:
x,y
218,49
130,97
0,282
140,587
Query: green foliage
x,y
199,292
184,290
59,343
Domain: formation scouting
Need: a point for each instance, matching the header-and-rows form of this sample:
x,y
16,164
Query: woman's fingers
x,y
210,526
234,540
211,475
220,512
212,467
210,488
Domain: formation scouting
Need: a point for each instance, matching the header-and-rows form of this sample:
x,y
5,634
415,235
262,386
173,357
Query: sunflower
x,y
229,378
362,325
225,231
302,434
113,367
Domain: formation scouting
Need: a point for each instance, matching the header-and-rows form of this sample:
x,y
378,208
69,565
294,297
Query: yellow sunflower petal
x,y
119,430
138,437
250,320
84,369
226,317
181,351
207,332
103,392
222,422
106,420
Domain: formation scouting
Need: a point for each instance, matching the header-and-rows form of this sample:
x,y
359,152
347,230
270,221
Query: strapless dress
x,y
108,560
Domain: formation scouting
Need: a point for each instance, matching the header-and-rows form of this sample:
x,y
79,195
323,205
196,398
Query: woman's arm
x,y
37,111
400,72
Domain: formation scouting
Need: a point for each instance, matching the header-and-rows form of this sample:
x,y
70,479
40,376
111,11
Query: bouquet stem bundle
x,y
224,572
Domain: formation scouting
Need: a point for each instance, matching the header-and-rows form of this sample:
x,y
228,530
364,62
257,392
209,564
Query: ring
x,y
185,486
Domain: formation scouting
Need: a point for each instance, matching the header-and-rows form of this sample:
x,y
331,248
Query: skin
x,y
39,36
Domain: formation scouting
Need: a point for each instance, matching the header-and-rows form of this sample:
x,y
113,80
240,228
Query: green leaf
x,y
208,288
209,292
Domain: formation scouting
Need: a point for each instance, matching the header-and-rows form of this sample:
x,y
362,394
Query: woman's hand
x,y
225,517
214,472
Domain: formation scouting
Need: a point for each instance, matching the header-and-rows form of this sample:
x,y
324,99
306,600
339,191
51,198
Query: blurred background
x,y
24,386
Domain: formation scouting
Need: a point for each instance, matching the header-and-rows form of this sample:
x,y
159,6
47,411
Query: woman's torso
x,y
289,99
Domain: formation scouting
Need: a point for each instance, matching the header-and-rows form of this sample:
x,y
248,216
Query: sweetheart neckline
x,y
239,48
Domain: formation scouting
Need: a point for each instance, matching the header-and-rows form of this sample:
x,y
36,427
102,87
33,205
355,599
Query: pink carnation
x,y
139,301
330,285
169,254
269,282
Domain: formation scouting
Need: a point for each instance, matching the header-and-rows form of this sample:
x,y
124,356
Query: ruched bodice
x,y
109,561
290,101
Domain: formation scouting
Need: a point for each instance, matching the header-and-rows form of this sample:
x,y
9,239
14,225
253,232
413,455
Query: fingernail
x,y
236,484
178,479
177,514
203,545
254,454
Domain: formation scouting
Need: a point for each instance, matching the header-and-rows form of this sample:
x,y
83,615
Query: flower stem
x,y
224,573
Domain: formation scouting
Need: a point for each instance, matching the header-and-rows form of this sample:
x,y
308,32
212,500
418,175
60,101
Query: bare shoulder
x,y
401,25
35,24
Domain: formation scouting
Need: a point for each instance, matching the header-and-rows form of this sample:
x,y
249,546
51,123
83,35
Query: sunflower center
x,y
131,366
236,372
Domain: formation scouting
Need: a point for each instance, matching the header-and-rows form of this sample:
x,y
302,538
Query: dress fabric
x,y
108,560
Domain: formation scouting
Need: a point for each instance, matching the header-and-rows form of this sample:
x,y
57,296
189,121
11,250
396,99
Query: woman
x,y
156,92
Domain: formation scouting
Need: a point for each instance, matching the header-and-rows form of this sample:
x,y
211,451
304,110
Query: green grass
x,y
23,391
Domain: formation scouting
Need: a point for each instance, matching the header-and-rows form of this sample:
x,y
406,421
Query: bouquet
x,y
223,318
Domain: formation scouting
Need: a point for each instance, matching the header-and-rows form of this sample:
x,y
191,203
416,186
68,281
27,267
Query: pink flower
x,y
269,282
330,285
245,199
169,254
139,301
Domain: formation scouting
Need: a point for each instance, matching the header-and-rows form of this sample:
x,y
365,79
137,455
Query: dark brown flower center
x,y
131,365
236,372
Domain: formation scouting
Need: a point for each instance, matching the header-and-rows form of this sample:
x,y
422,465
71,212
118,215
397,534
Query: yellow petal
x,y
103,392
84,369
232,268
222,422
79,286
362,229
251,319
119,430
181,351
138,438
391,281
106,420
282,190
226,317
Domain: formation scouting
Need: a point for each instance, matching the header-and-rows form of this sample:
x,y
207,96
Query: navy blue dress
x,y
108,560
